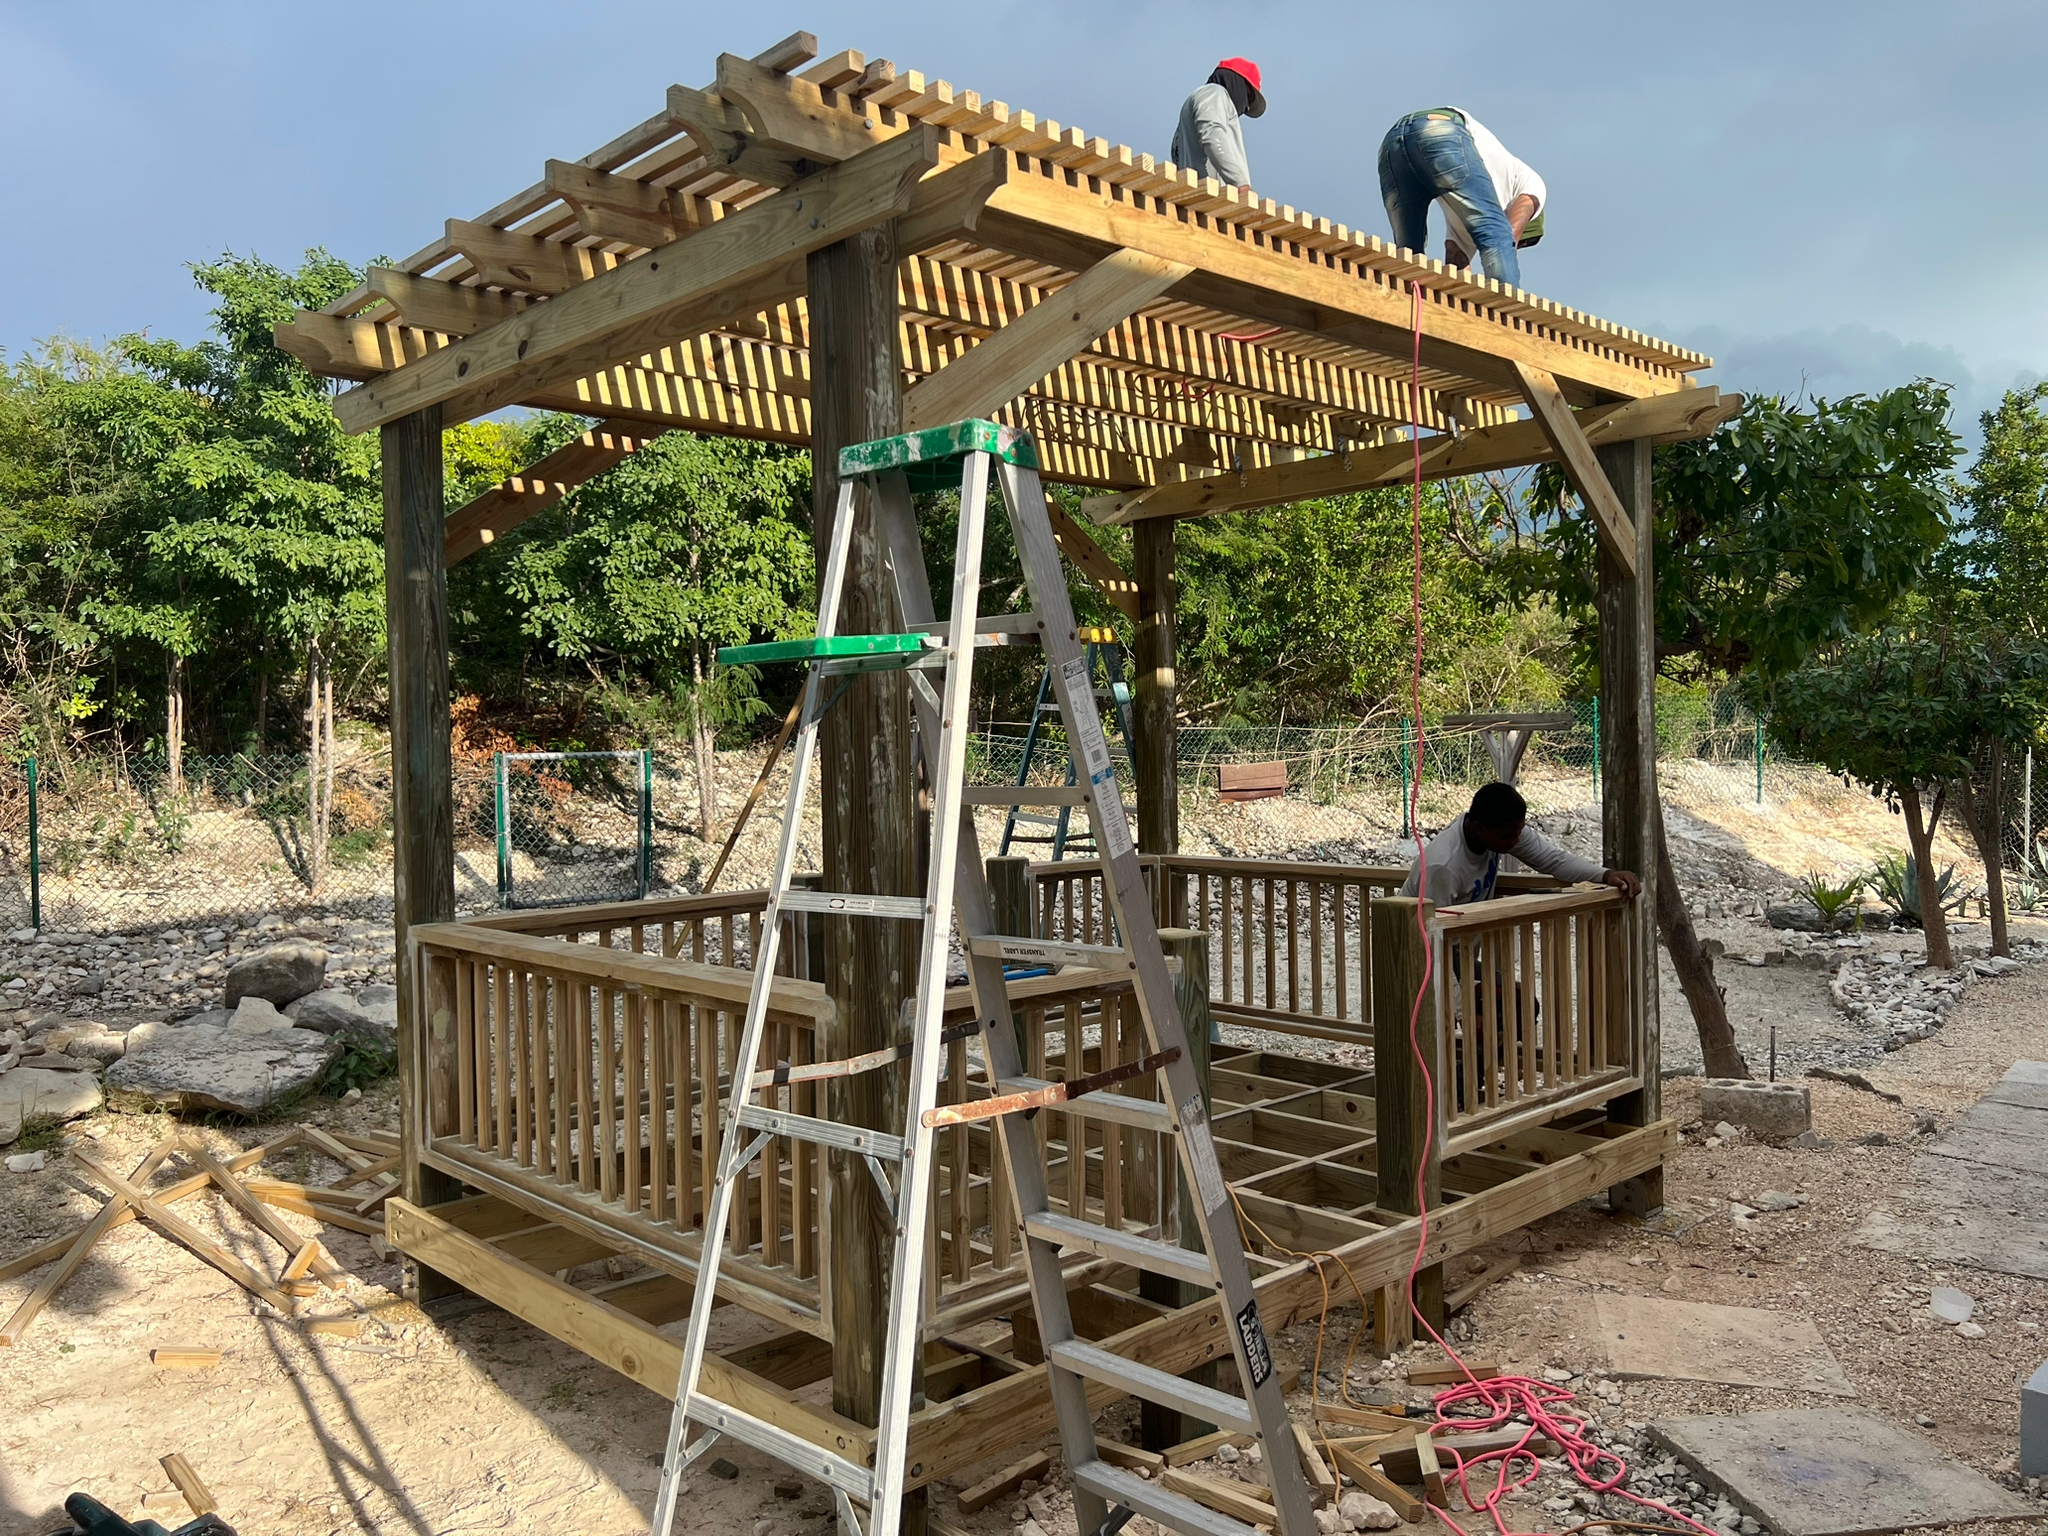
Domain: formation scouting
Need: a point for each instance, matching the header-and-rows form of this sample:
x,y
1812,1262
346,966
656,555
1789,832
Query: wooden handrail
x,y
713,986
619,914
1504,910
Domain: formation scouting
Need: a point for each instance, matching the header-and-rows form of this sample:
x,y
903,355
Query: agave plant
x,y
1897,883
1832,901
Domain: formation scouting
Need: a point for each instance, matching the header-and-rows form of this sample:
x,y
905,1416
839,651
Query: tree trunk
x,y
1719,1053
1985,814
262,706
174,723
1933,920
704,741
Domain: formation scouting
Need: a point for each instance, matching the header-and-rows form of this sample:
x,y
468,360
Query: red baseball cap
x,y
1250,71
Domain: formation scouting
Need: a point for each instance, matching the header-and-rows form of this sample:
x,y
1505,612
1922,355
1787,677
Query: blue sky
x,y
1829,196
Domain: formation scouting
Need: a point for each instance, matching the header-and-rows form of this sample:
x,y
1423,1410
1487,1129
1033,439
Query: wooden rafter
x,y
1665,418
541,485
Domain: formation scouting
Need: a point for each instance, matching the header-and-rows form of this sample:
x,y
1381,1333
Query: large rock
x,y
380,1002
278,974
335,1012
1772,1111
28,1091
218,1066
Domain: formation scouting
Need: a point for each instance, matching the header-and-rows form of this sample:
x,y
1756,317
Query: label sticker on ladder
x,y
1194,1130
1258,1354
1087,727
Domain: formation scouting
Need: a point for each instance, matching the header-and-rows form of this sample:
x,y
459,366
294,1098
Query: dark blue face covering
x,y
1240,88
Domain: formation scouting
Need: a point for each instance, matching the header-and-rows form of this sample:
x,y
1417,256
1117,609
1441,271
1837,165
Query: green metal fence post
x,y
1759,719
1407,823
646,820
504,833
35,850
1596,749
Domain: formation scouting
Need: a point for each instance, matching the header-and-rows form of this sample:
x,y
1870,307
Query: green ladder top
x,y
928,455
879,650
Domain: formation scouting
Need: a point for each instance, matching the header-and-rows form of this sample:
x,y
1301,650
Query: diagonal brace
x,y
1610,520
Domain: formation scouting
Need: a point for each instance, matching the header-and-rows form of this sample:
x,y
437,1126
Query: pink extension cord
x,y
1500,1399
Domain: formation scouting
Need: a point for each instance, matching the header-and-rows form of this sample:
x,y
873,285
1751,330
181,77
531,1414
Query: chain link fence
x,y
127,844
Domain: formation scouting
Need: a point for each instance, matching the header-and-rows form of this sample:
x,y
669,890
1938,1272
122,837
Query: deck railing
x,y
592,1069
1287,947
1539,1008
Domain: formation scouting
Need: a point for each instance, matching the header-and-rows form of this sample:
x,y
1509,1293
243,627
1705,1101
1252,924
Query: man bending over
x,y
1463,860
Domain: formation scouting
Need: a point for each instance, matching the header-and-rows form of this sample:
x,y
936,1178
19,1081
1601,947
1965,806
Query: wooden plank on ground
x,y
1398,1459
186,1235
994,1486
1438,1375
1202,1447
183,1357
1320,1477
1117,1454
1241,1501
198,1497
1369,1478
1468,1291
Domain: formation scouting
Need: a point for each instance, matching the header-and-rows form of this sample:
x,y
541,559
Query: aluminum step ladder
x,y
1105,1496
1106,671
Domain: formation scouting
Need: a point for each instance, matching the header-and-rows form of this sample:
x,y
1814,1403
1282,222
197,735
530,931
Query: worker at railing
x,y
1463,860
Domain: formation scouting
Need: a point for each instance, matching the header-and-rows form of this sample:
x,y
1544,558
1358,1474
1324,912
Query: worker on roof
x,y
1210,138
1493,203
1464,859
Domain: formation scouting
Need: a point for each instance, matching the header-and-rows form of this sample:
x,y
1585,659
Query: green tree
x,y
1787,530
1914,715
691,544
2001,558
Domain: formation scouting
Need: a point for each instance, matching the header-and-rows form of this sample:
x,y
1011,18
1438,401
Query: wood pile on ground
x,y
369,1164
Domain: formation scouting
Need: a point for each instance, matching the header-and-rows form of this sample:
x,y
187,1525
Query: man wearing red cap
x,y
1210,138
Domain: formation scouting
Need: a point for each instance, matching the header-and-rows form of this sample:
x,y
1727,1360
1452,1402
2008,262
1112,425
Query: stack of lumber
x,y
303,1270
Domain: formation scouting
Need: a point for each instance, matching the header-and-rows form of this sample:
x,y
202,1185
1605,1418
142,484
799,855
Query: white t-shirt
x,y
1511,179
1458,875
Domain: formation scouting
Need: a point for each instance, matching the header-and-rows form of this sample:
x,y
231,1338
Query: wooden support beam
x,y
1154,752
1093,561
422,797
1629,803
867,780
507,259
1410,1171
619,208
789,112
1662,418
434,305
541,485
1058,328
1554,416
793,52
644,303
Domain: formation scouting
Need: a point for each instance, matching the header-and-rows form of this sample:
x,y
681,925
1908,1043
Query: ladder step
x,y
1045,952
842,904
850,1138
1175,1511
1023,794
1038,821
792,1450
1154,1385
991,624
1146,1253
1117,1108
828,647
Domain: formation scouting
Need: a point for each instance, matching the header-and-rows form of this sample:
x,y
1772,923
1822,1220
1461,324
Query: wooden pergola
x,y
827,251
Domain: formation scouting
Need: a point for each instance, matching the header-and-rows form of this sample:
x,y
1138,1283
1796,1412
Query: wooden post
x,y
1009,889
1630,810
1400,1096
868,788
1158,1426
422,800
1155,752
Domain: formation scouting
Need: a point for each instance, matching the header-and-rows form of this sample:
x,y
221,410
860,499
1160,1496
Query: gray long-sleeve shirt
x,y
1457,875
1210,138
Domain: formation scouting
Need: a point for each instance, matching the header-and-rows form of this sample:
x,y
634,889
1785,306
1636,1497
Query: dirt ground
x,y
480,1423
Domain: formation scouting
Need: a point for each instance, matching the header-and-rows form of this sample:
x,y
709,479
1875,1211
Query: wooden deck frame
x,y
673,278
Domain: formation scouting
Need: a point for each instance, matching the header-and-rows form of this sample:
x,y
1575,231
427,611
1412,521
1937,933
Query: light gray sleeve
x,y
1544,856
1222,142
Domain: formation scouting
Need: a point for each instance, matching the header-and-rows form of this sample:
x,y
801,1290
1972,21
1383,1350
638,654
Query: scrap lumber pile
x,y
369,1164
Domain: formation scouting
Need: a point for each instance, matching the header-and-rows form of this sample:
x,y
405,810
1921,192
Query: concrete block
x,y
1771,1111
2034,1424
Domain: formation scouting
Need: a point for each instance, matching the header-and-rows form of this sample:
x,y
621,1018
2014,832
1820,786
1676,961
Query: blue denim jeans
x,y
1424,157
